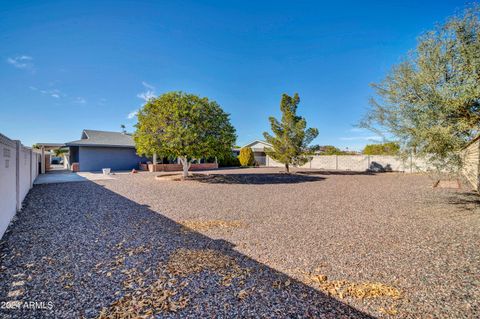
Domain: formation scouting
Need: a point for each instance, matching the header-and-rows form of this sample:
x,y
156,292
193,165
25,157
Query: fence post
x,y
31,167
368,162
42,167
17,174
336,162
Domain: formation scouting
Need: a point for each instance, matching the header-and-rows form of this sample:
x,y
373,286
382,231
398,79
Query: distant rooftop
x,y
103,138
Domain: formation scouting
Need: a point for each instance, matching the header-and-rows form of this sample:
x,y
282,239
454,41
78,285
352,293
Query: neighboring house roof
x,y
104,138
256,146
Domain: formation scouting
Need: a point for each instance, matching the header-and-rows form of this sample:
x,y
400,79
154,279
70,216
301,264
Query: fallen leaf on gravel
x,y
318,278
184,262
146,301
242,294
388,311
345,288
18,283
362,290
201,225
15,293
278,284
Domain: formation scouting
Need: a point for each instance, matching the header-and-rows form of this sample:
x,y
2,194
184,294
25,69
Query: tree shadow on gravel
x,y
85,248
256,179
469,201
326,172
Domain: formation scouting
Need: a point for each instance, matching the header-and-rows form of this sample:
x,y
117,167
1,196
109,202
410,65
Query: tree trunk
x,y
287,169
185,165
154,162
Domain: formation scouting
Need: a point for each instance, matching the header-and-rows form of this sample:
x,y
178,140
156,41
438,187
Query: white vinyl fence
x,y
19,166
359,163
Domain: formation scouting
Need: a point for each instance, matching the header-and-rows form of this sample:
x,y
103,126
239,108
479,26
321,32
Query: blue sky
x,y
66,66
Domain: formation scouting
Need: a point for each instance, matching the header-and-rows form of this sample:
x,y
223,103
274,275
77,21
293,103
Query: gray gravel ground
x,y
393,229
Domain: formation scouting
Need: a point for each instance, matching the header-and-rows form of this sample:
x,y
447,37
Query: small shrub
x,y
229,161
246,157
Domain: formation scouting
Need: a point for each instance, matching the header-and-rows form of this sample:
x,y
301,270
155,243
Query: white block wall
x,y
18,170
359,163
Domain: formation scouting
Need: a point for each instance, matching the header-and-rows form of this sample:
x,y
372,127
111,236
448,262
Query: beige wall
x,y
18,170
359,163
471,163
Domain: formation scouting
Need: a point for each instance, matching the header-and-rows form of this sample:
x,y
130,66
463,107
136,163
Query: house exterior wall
x,y
471,163
260,158
116,158
73,150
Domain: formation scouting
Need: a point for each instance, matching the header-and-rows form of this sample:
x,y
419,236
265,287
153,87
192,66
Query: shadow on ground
x,y
319,172
469,201
79,246
256,179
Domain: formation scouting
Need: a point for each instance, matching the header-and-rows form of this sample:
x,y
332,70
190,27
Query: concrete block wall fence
x,y
19,166
359,163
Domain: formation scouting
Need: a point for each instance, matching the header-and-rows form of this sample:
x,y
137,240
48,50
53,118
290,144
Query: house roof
x,y
103,138
253,143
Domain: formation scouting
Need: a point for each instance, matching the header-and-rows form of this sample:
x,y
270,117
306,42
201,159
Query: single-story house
x,y
96,150
258,148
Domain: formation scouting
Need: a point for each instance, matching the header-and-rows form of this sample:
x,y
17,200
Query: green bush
x,y
391,148
229,161
246,157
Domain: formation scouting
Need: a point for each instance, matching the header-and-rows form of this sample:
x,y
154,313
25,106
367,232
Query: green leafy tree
x,y
430,102
390,148
246,157
291,137
327,150
184,126
60,152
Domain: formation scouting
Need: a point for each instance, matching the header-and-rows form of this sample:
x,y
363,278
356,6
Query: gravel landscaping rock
x,y
262,244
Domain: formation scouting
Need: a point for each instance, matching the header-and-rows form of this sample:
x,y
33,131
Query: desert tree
x,y
291,136
430,102
183,126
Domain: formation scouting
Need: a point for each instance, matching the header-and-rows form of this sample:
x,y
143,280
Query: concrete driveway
x,y
67,177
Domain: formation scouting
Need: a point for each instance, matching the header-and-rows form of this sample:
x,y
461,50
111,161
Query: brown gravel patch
x,y
384,245
392,230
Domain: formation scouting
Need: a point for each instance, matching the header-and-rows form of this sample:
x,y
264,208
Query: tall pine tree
x,y
291,137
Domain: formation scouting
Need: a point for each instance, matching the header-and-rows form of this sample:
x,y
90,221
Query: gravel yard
x,y
248,243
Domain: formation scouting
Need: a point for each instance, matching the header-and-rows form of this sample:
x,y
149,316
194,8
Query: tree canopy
x,y
184,126
430,102
327,150
389,148
291,137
